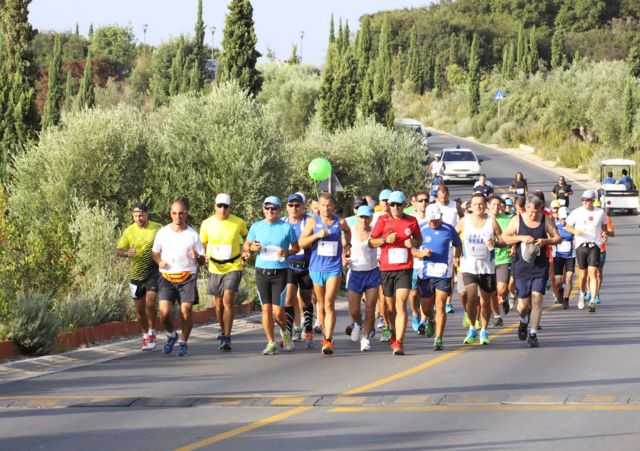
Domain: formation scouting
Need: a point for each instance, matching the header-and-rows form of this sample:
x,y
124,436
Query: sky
x,y
278,23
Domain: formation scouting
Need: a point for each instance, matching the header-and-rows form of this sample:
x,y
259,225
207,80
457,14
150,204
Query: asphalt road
x,y
579,390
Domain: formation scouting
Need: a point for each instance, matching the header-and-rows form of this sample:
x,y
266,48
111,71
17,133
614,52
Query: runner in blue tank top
x,y
323,234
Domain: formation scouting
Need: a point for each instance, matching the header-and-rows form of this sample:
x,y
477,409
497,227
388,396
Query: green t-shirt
x,y
502,253
141,240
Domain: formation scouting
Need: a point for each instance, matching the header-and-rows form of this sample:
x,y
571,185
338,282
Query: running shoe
x,y
506,307
565,303
356,333
365,344
498,322
437,344
422,329
533,341
556,300
397,348
270,349
308,340
448,308
522,331
226,344
317,328
348,329
472,337
598,299
170,343
386,334
297,334
287,342
327,347
587,297
151,343
465,320
415,323
581,300
592,306
219,335
380,324
145,343
484,337
372,333
184,349
431,328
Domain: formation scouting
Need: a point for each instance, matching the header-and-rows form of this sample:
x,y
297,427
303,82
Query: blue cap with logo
x,y
295,196
396,197
273,200
364,210
384,194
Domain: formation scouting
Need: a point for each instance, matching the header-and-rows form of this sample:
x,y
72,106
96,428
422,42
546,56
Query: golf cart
x,y
616,196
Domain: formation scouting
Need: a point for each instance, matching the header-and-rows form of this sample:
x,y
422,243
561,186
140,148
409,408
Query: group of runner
x,y
491,249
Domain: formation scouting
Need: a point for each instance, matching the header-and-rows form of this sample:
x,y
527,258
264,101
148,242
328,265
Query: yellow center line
x,y
357,390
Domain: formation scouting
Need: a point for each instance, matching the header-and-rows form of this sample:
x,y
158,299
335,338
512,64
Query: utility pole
x,y
301,42
213,33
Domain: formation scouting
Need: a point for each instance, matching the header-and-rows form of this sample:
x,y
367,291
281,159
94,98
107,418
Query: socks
x,y
290,312
533,331
152,331
308,318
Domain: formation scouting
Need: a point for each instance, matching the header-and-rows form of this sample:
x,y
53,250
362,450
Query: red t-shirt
x,y
405,228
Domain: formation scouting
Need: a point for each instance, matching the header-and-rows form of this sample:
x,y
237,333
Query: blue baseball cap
x,y
273,200
363,210
397,197
384,194
295,196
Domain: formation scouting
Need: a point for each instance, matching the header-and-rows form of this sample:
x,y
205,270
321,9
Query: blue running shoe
x,y
472,337
415,323
448,308
587,297
484,337
184,349
171,342
422,329
598,299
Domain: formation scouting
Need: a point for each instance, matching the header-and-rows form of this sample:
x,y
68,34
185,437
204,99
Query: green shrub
x,y
94,304
34,327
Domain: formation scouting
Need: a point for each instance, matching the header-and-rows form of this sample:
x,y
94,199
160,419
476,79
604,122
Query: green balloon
x,y
319,169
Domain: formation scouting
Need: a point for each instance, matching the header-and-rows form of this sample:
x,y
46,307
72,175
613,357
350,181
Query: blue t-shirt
x,y
566,248
326,254
609,180
279,234
438,240
304,254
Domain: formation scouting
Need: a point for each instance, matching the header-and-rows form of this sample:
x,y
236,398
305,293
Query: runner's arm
x,y
510,234
346,233
307,237
553,237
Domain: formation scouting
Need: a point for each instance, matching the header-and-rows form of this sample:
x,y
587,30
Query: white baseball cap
x,y
433,212
589,194
223,198
563,213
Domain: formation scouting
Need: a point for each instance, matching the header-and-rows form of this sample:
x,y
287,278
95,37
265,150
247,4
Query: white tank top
x,y
418,263
363,257
476,256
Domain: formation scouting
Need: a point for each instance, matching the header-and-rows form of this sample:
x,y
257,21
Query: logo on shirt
x,y
407,232
428,239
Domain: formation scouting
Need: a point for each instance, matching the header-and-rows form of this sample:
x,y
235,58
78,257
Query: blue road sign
x,y
498,95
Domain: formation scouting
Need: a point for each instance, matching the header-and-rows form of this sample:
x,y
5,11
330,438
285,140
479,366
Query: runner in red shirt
x,y
396,233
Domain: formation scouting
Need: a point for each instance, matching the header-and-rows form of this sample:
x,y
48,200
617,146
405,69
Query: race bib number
x,y
520,191
270,253
180,261
479,251
563,202
564,247
437,269
221,251
398,255
328,248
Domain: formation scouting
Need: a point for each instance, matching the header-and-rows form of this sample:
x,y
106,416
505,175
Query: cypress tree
x,y
453,49
366,92
474,77
19,119
332,36
77,29
505,62
345,87
414,67
239,59
532,59
177,66
364,58
557,48
398,68
197,70
383,80
328,114
437,76
629,112
633,62
427,73
68,93
521,52
90,31
86,94
52,104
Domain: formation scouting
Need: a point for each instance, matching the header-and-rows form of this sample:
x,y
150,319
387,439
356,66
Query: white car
x,y
417,127
461,165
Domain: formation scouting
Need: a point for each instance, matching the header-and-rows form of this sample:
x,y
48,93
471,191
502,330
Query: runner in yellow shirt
x,y
136,243
221,235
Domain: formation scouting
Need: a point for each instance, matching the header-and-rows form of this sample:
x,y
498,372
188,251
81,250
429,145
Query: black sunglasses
x,y
395,204
422,200
294,205
271,208
222,206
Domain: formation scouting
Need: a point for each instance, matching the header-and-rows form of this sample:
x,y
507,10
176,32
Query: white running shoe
x,y
356,332
287,343
365,344
380,324
145,343
151,342
317,328
581,301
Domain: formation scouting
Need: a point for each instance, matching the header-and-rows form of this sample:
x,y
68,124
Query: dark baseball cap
x,y
140,206
358,201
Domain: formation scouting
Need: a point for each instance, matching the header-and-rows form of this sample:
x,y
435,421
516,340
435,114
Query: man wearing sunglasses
x,y
177,250
222,235
299,284
273,240
589,225
396,233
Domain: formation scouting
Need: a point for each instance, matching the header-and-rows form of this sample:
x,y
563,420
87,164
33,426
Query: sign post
x,y
499,96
